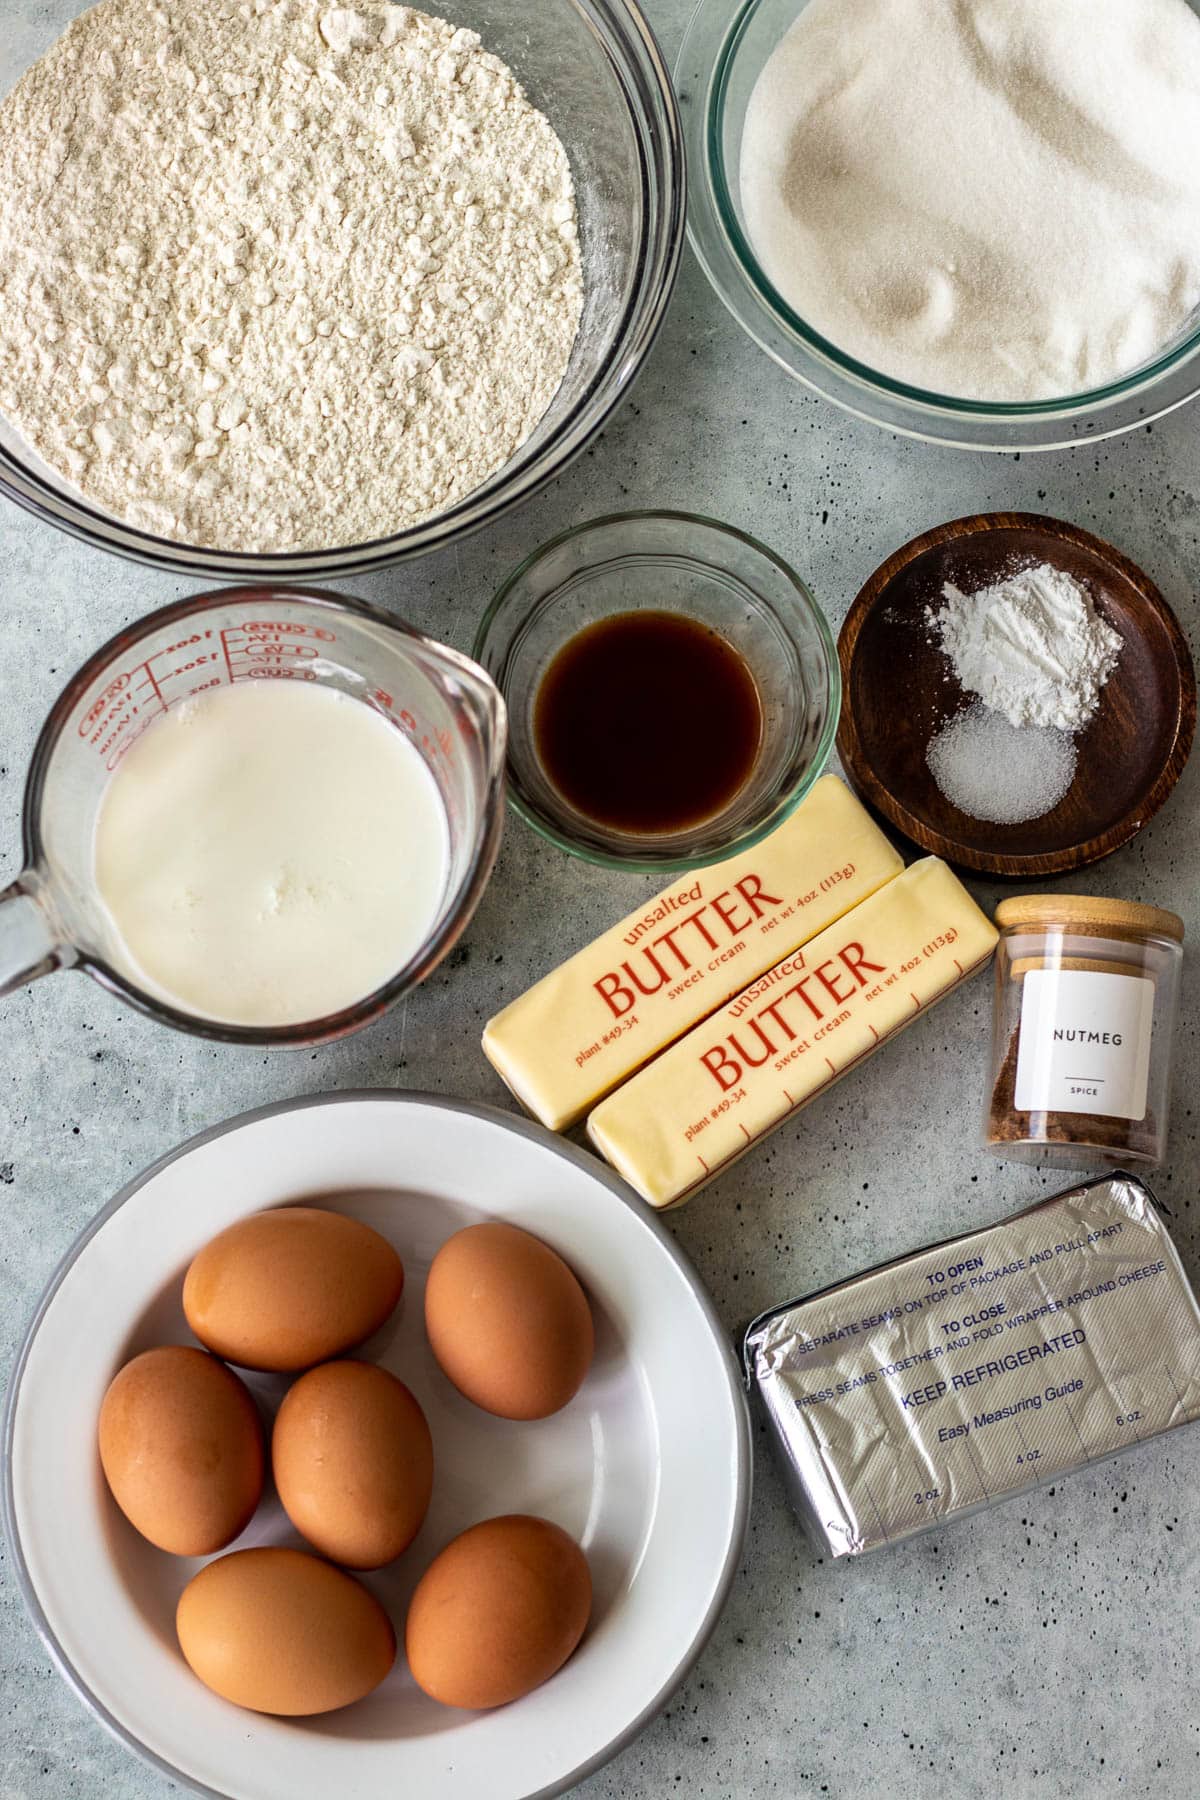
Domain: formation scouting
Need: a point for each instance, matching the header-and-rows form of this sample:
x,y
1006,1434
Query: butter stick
x,y
583,1029
791,1034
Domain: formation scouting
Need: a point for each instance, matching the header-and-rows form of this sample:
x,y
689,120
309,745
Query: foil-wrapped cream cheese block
x,y
792,1033
590,1023
953,1378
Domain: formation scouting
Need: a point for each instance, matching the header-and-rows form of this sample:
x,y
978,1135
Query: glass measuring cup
x,y
51,916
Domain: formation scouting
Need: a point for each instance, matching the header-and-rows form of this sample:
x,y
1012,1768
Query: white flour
x,y
277,275
998,199
1032,647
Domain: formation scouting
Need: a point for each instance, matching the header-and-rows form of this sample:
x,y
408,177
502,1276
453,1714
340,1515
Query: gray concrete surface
x,y
1049,1646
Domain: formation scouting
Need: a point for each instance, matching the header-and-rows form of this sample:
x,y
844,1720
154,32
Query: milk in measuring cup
x,y
270,853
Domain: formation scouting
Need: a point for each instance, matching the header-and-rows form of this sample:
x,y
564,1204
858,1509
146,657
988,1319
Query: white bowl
x,y
648,1467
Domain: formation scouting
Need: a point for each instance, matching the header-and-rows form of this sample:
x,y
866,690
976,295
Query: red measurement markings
x,y
136,697
126,706
431,745
385,703
274,649
91,718
436,748
189,665
173,674
271,628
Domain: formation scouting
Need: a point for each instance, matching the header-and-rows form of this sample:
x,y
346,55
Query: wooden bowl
x,y
899,689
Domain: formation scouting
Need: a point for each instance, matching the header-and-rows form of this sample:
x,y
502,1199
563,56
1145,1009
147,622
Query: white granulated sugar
x,y
276,276
998,199
1032,647
998,772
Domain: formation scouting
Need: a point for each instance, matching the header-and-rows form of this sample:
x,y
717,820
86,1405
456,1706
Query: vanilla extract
x,y
648,722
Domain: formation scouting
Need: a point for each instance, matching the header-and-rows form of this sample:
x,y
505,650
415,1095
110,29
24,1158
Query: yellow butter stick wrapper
x,y
583,1029
791,1034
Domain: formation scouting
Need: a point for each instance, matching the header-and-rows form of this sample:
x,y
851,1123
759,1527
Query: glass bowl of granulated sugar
x,y
976,224
306,288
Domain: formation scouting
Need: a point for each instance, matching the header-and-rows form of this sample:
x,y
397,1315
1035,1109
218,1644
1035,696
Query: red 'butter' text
x,y
645,974
770,1029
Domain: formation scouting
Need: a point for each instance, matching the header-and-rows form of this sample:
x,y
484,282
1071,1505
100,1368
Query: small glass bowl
x,y
668,562
720,60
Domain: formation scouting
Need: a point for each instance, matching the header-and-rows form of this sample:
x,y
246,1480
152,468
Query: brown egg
x,y
507,1321
284,1289
353,1462
182,1450
498,1612
279,1631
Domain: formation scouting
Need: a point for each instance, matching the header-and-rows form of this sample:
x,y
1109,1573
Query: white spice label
x,y
1085,1043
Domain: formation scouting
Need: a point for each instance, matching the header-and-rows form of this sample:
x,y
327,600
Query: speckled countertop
x,y
1048,1646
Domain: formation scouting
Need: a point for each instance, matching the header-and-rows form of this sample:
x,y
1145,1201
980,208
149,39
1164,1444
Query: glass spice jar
x,y
1084,1016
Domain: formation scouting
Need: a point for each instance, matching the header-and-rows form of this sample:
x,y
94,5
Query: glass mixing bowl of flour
x,y
594,69
722,56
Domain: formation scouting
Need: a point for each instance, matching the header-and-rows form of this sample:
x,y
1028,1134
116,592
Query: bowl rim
x,y
714,38
663,863
655,268
1036,866
743,1475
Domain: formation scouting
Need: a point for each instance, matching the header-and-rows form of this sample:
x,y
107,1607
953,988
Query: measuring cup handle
x,y
29,944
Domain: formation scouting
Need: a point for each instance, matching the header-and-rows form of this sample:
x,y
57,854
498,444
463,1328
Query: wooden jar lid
x,y
1089,916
